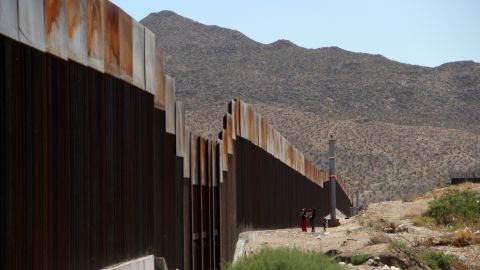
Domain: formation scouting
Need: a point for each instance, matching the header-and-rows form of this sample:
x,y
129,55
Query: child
x,y
313,213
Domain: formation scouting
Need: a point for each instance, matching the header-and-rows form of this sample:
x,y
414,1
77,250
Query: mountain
x,y
401,128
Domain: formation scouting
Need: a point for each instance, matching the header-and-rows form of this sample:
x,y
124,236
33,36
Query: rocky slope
x,y
401,128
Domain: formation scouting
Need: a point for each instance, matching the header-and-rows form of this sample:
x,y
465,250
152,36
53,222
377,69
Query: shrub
x,y
437,260
455,206
358,259
398,245
464,238
284,258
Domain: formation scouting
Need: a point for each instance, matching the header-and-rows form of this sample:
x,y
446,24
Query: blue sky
x,y
422,32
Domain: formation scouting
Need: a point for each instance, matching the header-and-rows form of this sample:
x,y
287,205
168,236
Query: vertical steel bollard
x,y
332,172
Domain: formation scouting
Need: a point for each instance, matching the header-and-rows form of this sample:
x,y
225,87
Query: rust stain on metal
x,y
55,32
95,34
74,16
112,41
228,134
75,12
224,151
52,14
160,79
125,31
290,154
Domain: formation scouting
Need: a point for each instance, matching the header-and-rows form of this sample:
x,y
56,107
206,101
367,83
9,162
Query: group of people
x,y
310,214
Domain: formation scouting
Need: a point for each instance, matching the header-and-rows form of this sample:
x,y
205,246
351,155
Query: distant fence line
x,y
462,177
97,166
468,174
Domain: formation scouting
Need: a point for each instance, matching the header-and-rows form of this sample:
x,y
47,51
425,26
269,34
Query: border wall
x,y
97,166
457,178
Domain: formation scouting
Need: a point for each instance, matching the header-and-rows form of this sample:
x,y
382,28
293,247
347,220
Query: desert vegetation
x,y
284,258
456,208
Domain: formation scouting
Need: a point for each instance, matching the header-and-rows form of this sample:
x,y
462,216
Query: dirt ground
x,y
355,234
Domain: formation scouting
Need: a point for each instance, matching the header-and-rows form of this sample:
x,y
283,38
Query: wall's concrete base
x,y
333,223
160,263
243,238
143,263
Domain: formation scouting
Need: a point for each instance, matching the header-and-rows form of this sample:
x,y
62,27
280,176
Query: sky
x,y
420,32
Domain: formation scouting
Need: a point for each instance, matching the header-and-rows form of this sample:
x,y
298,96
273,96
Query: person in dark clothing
x,y
325,224
303,220
313,214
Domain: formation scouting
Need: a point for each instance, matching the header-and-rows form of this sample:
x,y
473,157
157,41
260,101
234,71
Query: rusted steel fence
x,y
96,165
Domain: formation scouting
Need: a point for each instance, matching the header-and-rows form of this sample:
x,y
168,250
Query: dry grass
x,y
409,198
414,212
457,264
379,238
424,242
422,221
464,238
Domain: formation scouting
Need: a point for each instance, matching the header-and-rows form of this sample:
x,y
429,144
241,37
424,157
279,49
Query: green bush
x,y
284,259
455,207
358,259
437,260
399,245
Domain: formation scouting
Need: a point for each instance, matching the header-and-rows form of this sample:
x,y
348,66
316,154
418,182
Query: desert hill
x,y
401,128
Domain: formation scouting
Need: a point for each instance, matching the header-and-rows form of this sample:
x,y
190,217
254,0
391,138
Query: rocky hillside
x,y
401,127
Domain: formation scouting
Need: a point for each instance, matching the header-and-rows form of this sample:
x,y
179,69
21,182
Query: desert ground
x,y
370,233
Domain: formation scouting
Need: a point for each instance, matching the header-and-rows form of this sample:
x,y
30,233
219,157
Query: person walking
x,y
303,220
313,214
325,224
